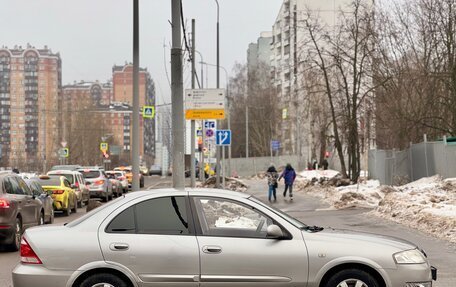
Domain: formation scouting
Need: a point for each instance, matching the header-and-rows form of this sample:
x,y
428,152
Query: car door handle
x,y
211,249
119,246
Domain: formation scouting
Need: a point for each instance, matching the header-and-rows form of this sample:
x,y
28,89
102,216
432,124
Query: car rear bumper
x,y
98,192
39,276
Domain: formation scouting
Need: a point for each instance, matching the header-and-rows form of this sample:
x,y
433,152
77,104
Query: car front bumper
x,y
39,276
412,275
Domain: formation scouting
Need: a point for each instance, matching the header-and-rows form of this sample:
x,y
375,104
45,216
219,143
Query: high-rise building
x,y
122,78
286,55
30,105
259,52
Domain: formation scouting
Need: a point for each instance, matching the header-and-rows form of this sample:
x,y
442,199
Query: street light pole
x,y
135,114
192,136
217,166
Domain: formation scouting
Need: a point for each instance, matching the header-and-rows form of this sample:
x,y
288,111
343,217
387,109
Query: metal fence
x,y
420,160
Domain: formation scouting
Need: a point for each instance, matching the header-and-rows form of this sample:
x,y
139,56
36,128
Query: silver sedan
x,y
210,238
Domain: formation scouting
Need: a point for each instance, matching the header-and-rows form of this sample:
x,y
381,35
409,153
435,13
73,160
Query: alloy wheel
x,y
103,285
18,235
352,283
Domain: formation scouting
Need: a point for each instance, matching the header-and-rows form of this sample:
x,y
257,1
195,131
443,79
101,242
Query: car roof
x,y
191,192
63,171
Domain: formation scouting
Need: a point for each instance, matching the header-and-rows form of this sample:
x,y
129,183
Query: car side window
x,y
228,218
165,215
8,186
23,186
16,189
37,190
66,183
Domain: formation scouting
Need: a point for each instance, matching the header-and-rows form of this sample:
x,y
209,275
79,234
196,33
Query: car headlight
x,y
413,256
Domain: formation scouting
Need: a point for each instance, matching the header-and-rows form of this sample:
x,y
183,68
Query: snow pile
x,y
428,204
231,183
316,175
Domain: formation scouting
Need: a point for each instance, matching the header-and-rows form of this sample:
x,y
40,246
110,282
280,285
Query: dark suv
x,y
19,209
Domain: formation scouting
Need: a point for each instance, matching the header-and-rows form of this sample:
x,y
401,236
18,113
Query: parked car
x,y
211,238
97,181
77,184
19,209
44,197
59,187
155,170
116,185
129,175
120,176
66,167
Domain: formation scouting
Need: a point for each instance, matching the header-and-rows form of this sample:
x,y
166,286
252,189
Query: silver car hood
x,y
362,238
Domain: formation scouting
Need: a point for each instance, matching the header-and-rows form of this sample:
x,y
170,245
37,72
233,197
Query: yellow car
x,y
61,192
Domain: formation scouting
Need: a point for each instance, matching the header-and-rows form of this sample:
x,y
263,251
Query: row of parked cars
x,y
30,200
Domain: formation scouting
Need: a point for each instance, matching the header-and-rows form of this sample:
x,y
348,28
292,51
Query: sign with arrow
x,y
201,104
223,137
148,112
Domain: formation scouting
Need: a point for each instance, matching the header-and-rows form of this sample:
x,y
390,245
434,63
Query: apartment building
x,y
259,52
288,36
30,105
122,78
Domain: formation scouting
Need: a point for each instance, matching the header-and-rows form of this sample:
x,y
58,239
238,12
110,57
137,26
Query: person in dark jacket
x,y
289,175
272,176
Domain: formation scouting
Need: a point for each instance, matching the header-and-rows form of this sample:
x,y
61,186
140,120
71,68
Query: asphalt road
x,y
311,211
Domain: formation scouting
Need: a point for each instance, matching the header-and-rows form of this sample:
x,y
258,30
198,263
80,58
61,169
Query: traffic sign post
x,y
148,112
104,147
64,152
204,104
223,137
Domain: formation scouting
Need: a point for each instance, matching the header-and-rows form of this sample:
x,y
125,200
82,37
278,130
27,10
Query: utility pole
x,y
176,97
192,137
135,114
246,131
217,148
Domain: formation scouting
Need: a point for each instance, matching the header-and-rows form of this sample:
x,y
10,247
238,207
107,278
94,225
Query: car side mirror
x,y
73,186
274,232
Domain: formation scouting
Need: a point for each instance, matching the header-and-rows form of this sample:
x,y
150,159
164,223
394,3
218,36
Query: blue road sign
x,y
209,124
148,112
275,145
223,137
199,133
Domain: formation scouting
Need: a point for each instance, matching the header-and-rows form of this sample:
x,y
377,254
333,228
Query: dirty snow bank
x,y
231,183
428,204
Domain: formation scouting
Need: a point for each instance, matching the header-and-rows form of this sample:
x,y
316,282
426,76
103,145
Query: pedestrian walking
x,y
325,164
272,177
289,175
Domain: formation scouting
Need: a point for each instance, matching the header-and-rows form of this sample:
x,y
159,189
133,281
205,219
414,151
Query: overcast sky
x,y
93,35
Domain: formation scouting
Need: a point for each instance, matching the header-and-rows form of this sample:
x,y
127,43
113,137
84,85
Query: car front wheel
x,y
352,278
103,280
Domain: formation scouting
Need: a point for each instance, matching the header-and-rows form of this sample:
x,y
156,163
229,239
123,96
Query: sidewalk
x,y
313,211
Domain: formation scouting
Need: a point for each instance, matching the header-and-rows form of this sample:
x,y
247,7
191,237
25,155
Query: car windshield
x,y
280,213
90,173
68,176
119,174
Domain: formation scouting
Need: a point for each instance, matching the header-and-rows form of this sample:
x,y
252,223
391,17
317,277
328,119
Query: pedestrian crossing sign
x,y
148,112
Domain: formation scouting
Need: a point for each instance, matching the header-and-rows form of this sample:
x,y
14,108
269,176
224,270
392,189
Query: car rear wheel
x,y
41,220
103,280
51,217
75,205
67,212
352,278
17,236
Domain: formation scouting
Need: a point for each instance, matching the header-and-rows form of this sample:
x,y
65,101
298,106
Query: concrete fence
x,y
420,160
255,165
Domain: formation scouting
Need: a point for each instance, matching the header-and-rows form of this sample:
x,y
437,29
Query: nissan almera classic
x,y
210,238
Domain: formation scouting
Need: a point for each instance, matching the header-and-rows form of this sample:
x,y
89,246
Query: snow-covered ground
x,y
428,204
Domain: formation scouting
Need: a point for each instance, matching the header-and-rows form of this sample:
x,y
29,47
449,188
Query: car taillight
x,y
121,177
4,203
28,256
99,182
58,191
76,184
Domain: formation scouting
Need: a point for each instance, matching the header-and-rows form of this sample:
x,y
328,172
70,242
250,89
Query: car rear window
x,y
70,177
90,173
52,181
